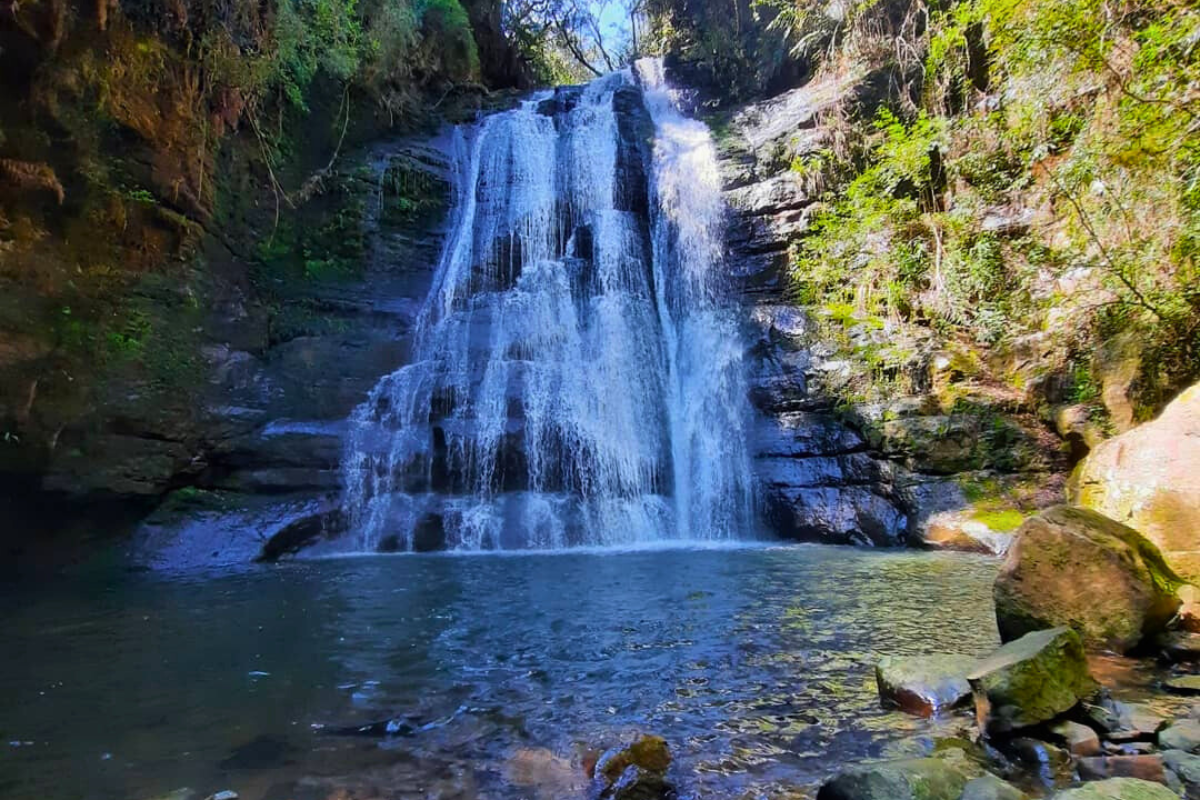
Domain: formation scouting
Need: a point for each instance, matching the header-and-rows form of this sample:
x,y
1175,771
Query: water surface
x,y
499,670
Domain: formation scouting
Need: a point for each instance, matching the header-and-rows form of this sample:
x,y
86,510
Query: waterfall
x,y
577,371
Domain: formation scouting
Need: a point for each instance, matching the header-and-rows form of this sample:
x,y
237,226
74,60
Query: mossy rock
x,y
1031,680
647,752
940,778
989,787
1074,567
1118,789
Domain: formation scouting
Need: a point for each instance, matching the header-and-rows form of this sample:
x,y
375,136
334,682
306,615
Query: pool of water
x,y
498,673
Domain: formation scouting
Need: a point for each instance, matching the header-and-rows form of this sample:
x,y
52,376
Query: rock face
x,y
1075,567
924,685
1031,680
1147,479
263,454
874,473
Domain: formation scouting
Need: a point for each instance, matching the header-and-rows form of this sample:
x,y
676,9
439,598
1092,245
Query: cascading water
x,y
577,377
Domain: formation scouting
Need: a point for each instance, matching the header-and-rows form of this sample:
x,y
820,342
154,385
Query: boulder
x,y
1146,478
941,778
1071,566
924,685
1183,734
1030,680
1118,789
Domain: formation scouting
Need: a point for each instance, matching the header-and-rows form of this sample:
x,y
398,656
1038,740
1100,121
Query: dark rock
x,y
1030,680
1074,567
836,515
924,685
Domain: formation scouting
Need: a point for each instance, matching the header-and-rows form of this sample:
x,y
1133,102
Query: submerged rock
x,y
1031,680
924,685
1147,479
1118,789
1075,567
942,778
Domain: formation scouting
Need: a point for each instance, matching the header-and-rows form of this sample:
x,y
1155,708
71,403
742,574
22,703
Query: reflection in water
x,y
756,664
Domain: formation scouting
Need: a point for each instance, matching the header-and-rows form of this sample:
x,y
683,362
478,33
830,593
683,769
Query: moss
x,y
1002,520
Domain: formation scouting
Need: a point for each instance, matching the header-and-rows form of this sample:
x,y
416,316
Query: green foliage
x,y
1088,109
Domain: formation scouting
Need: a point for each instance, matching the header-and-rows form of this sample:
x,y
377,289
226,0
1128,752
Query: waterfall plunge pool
x,y
497,672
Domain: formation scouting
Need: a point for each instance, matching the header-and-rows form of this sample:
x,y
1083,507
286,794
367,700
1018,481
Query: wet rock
x,y
924,685
1030,680
1118,789
1143,767
1147,479
989,787
1183,684
1182,734
1075,567
941,778
1080,740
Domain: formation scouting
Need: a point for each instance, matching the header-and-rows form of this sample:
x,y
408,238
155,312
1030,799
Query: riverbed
x,y
473,676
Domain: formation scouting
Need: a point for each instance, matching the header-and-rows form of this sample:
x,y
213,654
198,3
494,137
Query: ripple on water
x,y
755,663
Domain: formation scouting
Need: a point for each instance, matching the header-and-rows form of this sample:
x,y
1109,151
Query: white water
x,y
578,377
